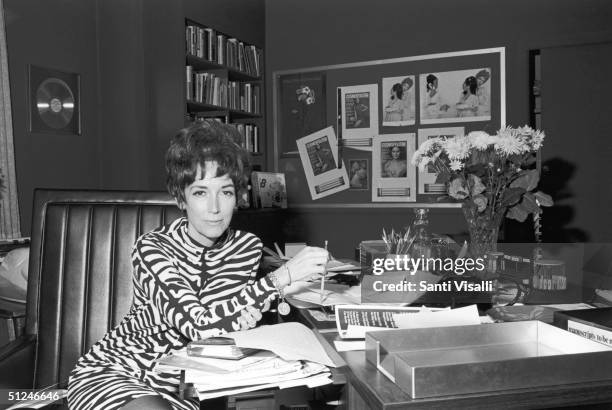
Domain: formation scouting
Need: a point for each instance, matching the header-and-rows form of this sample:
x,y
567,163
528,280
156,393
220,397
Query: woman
x,y
393,109
433,102
468,101
407,107
483,92
395,167
193,279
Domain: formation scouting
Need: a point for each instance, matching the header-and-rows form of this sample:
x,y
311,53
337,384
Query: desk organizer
x,y
489,357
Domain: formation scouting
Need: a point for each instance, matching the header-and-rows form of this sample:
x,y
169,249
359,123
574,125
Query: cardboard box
x,y
593,324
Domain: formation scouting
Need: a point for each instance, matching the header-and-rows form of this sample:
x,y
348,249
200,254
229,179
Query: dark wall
x,y
60,35
318,32
130,56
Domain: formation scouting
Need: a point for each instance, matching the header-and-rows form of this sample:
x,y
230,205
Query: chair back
x,y
80,272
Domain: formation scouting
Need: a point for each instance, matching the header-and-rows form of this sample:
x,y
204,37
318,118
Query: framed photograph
x,y
318,152
427,178
393,178
359,111
301,108
359,174
455,96
54,101
398,101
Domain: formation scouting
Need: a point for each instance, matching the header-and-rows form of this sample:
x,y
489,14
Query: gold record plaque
x,y
54,105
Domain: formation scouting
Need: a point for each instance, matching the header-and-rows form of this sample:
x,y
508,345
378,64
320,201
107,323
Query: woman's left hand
x,y
249,317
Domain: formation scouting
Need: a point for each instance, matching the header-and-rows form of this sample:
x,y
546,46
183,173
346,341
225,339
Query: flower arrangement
x,y
494,176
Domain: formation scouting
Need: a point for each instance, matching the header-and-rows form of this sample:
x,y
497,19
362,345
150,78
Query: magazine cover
x,y
319,156
269,189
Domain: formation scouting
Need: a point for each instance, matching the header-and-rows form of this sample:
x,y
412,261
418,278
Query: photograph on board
x,y
427,177
455,96
359,169
359,111
301,108
392,180
319,156
398,99
394,162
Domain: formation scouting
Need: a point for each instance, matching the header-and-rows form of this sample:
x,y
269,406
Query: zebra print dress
x,y
182,292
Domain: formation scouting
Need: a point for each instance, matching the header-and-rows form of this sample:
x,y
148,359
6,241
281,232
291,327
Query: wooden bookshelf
x,y
224,81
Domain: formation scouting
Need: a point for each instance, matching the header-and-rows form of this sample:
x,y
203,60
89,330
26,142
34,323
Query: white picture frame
x,y
393,178
319,155
427,179
359,111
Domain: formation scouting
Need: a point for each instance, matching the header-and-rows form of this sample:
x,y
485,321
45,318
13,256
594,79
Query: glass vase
x,y
483,229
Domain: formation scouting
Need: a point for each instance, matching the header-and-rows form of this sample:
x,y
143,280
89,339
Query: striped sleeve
x,y
178,303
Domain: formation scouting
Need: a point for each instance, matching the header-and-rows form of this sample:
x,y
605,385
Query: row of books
x,y
250,135
210,88
208,44
250,132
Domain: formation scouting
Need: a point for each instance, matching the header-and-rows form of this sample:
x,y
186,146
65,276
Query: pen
x,y
323,278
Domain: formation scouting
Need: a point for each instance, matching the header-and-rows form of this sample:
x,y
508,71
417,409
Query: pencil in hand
x,y
323,279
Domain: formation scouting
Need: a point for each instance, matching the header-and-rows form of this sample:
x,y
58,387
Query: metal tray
x,y
480,358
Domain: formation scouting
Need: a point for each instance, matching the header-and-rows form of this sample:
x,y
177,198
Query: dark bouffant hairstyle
x,y
201,142
399,91
472,84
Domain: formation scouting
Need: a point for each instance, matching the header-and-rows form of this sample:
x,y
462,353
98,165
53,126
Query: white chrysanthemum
x,y
508,145
537,138
424,163
456,165
457,148
480,139
417,158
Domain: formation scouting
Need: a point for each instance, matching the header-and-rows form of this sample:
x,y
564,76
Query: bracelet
x,y
276,283
283,307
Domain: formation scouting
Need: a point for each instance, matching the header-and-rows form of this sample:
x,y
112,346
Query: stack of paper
x,y
293,356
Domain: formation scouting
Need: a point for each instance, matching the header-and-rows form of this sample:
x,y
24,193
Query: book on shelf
x,y
219,348
210,45
268,189
250,136
594,324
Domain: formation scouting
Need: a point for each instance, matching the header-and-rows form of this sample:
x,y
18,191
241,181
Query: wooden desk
x,y
367,388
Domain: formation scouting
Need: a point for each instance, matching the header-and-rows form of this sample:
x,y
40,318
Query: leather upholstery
x,y
79,283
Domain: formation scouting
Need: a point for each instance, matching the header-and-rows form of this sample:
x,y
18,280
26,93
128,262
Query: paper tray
x,y
480,358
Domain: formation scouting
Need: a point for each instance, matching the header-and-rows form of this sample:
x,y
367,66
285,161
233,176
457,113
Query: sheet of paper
x,y
353,321
311,381
455,317
290,340
349,345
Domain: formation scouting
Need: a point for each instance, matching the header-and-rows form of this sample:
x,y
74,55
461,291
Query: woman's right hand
x,y
308,262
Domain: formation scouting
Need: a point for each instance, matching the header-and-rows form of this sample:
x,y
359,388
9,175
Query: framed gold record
x,y
54,101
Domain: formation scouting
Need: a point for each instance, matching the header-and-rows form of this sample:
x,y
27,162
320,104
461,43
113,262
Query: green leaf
x,y
528,180
512,196
476,184
529,204
543,199
517,213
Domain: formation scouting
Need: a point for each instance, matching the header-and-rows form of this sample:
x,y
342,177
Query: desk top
x,y
378,392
